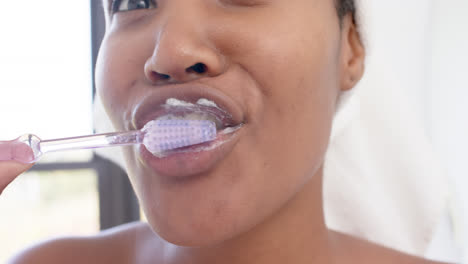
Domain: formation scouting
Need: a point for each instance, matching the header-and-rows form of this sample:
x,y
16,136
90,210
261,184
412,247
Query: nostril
x,y
198,68
159,76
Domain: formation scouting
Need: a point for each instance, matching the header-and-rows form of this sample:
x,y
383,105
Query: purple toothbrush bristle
x,y
164,135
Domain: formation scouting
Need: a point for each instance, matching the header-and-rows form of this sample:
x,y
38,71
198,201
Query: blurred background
x,y
47,53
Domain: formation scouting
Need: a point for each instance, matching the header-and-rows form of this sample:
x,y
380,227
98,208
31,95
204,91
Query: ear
x,y
352,54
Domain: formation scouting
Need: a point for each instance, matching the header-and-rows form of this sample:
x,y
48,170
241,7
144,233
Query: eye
x,y
129,5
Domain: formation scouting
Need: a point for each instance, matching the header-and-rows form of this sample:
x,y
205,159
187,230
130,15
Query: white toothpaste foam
x,y
206,102
201,101
177,102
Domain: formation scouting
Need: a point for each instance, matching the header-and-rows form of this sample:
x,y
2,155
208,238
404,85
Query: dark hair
x,y
343,7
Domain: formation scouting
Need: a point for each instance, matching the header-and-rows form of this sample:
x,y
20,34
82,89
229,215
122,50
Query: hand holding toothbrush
x,y
17,156
10,169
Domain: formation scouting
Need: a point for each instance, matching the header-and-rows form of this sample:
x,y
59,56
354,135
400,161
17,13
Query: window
x,y
46,63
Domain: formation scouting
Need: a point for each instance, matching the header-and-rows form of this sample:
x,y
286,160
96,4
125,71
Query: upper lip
x,y
150,108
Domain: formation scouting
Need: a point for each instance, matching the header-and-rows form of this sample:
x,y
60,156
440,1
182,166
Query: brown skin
x,y
282,75
284,63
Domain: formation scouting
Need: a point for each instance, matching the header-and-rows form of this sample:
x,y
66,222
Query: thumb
x,y
9,170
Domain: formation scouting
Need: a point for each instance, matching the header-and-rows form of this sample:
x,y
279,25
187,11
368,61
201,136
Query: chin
x,y
191,233
207,225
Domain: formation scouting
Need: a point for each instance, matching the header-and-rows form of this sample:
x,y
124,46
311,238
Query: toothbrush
x,y
157,136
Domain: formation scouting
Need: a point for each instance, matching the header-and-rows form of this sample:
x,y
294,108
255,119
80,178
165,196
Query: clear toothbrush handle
x,y
92,141
29,148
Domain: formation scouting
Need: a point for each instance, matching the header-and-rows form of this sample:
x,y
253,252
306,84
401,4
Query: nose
x,y
182,52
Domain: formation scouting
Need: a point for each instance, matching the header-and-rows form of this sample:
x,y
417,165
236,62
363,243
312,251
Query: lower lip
x,y
186,163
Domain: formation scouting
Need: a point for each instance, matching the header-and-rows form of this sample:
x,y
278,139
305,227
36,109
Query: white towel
x,y
383,180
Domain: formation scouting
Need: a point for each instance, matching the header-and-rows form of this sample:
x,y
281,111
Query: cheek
x,y
116,74
299,88
297,80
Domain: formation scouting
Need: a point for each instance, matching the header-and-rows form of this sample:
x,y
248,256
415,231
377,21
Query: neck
x,y
295,234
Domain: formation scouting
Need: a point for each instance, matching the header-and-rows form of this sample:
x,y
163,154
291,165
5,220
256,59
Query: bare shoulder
x,y
121,244
366,252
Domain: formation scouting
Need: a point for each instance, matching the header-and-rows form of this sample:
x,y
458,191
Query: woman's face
x,y
273,65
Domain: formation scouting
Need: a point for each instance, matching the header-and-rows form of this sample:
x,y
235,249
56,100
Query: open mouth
x,y
203,109
190,102
182,126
